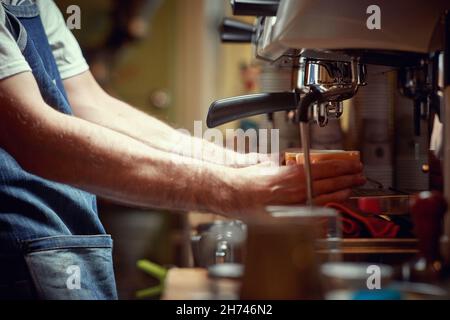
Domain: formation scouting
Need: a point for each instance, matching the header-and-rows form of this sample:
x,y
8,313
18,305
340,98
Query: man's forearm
x,y
123,118
91,103
73,151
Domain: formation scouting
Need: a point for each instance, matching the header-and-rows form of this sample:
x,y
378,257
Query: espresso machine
x,y
328,52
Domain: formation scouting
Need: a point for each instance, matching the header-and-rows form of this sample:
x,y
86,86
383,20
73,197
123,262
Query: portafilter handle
x,y
230,109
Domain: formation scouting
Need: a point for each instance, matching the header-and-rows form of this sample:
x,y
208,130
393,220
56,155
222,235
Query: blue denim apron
x,y
52,243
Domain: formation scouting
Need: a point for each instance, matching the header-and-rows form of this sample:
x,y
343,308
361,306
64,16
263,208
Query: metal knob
x,y
255,7
236,31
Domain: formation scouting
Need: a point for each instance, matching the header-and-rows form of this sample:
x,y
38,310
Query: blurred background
x,y
165,58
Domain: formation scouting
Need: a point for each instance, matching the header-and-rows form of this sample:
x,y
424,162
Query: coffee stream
x,y
305,139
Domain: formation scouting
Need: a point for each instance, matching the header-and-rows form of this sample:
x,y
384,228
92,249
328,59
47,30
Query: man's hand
x,y
264,185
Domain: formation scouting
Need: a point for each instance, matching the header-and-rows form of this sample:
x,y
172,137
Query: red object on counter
x,y
427,210
369,205
355,223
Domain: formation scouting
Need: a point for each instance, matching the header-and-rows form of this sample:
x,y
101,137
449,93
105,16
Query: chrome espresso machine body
x,y
328,48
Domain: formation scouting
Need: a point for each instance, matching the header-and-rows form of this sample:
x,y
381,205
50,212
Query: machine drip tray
x,y
389,202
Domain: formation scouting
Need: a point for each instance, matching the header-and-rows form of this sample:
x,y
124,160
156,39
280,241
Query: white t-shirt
x,y
65,48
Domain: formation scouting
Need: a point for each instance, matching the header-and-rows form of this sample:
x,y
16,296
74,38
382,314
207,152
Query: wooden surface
x,y
186,284
193,283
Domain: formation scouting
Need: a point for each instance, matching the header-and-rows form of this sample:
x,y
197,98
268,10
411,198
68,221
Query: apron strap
x,y
16,29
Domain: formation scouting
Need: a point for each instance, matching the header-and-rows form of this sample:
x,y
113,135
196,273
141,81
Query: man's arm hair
x,y
108,163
